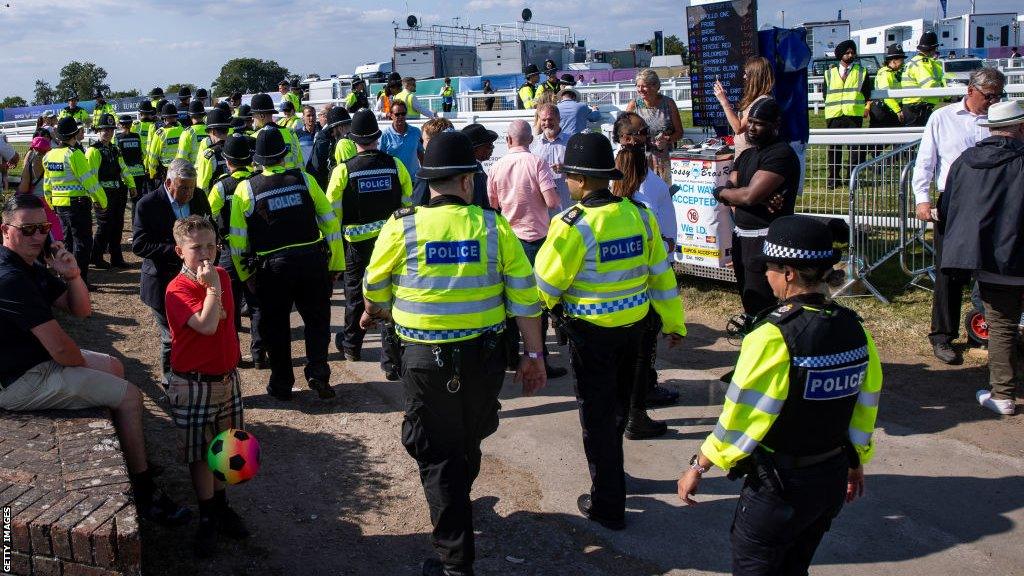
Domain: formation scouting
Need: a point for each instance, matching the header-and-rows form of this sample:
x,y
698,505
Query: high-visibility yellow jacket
x,y
526,96
189,141
343,150
889,79
339,183
80,115
293,159
66,175
845,97
95,158
99,111
923,72
163,146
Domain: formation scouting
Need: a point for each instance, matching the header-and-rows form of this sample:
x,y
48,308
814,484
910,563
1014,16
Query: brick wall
x,y
63,477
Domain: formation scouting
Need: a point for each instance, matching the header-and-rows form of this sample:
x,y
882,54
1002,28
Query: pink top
x,y
522,186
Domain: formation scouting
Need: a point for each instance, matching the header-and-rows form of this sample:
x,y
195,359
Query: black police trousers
x,y
645,377
350,338
296,277
776,534
110,226
755,292
604,362
240,291
838,172
443,430
946,299
76,220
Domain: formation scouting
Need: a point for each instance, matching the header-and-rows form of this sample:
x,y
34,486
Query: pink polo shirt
x,y
522,186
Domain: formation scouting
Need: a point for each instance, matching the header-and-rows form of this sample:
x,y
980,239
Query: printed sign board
x,y
722,36
704,236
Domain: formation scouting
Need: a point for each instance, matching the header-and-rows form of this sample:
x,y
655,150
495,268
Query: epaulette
x,y
572,215
209,153
639,204
405,211
784,313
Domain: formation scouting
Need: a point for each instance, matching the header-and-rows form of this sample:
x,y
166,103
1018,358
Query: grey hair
x,y
181,169
520,133
649,77
988,78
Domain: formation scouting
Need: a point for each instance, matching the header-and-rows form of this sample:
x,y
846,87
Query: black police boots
x,y
640,426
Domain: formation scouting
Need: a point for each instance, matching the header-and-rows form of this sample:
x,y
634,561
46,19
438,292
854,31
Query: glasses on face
x,y
397,114
33,229
990,97
638,134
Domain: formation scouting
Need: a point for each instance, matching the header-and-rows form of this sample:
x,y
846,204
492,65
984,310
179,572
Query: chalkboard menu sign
x,y
722,36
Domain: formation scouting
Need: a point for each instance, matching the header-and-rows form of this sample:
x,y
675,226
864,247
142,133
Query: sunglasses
x,y
990,97
399,113
32,229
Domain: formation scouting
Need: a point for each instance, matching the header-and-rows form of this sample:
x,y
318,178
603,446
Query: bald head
x,y
519,133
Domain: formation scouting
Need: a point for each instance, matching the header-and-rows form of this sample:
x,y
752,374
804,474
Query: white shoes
x,y
1004,406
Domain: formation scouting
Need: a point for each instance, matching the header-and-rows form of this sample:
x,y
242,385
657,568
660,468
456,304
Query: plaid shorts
x,y
201,410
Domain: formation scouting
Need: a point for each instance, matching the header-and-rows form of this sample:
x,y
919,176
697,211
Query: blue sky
x,y
144,43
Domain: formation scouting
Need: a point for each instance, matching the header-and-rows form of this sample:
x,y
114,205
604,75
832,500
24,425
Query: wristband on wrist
x,y
695,465
534,355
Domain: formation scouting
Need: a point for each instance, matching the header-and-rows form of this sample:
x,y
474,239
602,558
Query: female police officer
x,y
799,412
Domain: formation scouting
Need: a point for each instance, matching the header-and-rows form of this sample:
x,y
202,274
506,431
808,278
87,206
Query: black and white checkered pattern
x,y
776,251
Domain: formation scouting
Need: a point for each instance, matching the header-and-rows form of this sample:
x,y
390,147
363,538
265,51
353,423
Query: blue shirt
x,y
553,152
404,147
180,210
575,116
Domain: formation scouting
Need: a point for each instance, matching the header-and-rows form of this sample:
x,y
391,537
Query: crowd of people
x,y
250,210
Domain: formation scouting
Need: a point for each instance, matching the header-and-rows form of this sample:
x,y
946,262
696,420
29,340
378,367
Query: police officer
x,y
263,116
847,89
163,145
145,127
202,96
70,186
356,99
105,158
551,84
448,274
155,96
245,121
800,410
923,71
285,239
527,93
73,111
288,119
235,101
184,101
284,87
600,270
447,95
101,108
321,160
889,112
210,165
235,152
364,191
193,135
130,145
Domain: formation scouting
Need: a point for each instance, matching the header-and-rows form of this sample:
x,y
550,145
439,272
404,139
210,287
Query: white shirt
x,y
654,193
950,130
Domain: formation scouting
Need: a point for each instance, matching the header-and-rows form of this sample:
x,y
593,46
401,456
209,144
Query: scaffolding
x,y
449,35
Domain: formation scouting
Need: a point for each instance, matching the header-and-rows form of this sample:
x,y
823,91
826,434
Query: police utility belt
x,y
259,261
448,355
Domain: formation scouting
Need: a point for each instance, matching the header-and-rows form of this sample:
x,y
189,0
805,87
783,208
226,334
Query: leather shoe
x,y
586,508
555,371
352,355
323,389
392,376
944,351
640,427
661,396
283,396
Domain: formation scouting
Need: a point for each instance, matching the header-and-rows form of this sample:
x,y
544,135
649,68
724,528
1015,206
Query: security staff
x,y
600,270
364,191
236,153
448,274
105,158
285,239
889,112
447,95
163,145
130,145
528,92
101,108
356,99
193,135
284,87
145,127
386,95
799,413
923,71
847,88
288,119
408,96
184,106
73,111
245,121
551,85
321,160
70,186
156,95
210,165
263,117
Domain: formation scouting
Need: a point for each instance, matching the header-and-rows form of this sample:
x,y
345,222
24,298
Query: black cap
x,y
531,70
236,96
224,106
270,146
67,127
73,96
284,82
929,41
169,110
244,111
766,110
237,149
590,154
201,93
157,92
146,107
364,127
394,78
124,119
567,80
294,84
448,154
238,123
160,105
336,117
845,45
894,51
800,241
184,92
196,108
358,81
262,103
218,118
107,122
99,94
287,106
479,134
551,72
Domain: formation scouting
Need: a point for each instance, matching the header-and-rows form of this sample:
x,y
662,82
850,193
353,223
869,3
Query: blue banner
x,y
943,4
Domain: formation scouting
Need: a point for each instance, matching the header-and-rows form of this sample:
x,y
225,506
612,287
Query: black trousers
x,y
513,338
645,377
110,226
839,173
443,429
604,362
946,300
917,114
76,220
446,107
755,292
298,278
240,290
357,257
777,534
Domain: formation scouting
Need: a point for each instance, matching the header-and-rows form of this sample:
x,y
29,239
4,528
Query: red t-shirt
x,y
190,350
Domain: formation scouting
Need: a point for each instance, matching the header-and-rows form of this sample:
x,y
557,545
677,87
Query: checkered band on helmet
x,y
776,251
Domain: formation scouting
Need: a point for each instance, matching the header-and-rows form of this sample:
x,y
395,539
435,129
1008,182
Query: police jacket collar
x,y
809,298
600,198
274,169
446,200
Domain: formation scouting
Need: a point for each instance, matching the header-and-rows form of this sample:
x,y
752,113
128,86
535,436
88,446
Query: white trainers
x,y
1004,406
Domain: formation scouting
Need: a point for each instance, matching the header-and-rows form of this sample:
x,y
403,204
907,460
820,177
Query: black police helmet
x,y
66,128
237,149
196,108
448,154
169,110
336,117
262,103
801,241
107,122
590,154
364,127
218,118
270,146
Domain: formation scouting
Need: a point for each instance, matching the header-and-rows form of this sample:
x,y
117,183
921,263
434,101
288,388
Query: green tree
x,y
44,93
172,90
673,45
123,94
82,78
13,102
248,75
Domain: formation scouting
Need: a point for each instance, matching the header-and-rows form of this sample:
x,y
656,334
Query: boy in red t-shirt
x,y
204,390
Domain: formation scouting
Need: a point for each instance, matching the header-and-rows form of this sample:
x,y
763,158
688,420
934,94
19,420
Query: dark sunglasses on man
x,y
33,229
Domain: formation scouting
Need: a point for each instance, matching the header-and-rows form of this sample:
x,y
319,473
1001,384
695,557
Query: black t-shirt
x,y
27,293
777,157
